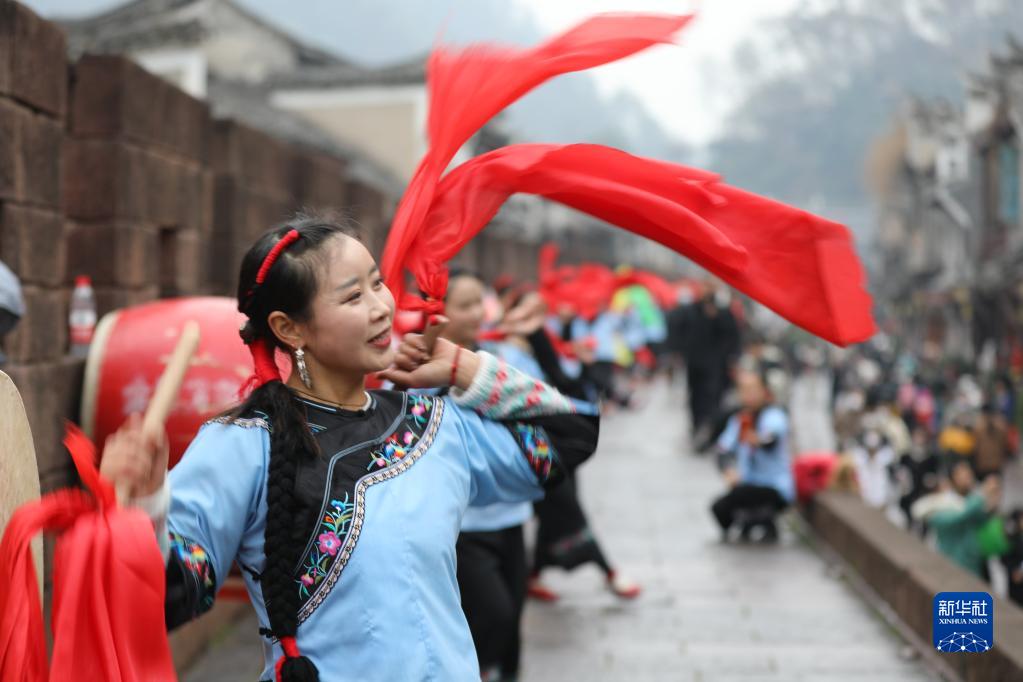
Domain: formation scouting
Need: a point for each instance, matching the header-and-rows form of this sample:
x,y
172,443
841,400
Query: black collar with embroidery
x,y
357,448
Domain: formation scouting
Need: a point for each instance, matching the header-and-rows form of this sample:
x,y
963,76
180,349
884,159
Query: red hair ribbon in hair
x,y
263,350
269,260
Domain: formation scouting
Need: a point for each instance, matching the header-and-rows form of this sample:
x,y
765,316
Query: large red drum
x,y
130,350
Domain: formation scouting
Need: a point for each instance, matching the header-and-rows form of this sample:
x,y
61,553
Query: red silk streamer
x,y
547,261
491,336
469,87
806,269
662,291
108,587
588,289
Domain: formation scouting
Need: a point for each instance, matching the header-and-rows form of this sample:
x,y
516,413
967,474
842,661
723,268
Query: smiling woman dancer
x,y
342,506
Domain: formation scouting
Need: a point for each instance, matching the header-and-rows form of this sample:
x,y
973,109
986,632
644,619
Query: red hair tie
x,y
290,647
263,350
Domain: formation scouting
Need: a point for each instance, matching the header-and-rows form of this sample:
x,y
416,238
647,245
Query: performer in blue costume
x,y
493,574
564,538
342,506
491,551
606,329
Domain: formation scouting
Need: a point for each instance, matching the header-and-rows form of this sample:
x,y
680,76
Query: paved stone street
x,y
709,612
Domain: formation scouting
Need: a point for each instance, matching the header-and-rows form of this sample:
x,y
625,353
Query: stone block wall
x,y
906,574
109,171
33,228
138,189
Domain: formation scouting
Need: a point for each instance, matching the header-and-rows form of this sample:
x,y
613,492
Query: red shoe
x,y
622,587
536,590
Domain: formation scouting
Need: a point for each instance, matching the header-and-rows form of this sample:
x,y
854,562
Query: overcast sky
x,y
686,86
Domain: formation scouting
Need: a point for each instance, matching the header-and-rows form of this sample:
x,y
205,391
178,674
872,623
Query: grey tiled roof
x,y
412,72
117,42
147,23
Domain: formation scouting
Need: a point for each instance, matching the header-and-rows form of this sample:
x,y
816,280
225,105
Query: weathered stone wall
x,y
907,575
33,229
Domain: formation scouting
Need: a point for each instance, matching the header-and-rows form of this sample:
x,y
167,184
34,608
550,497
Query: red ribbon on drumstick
x,y
109,579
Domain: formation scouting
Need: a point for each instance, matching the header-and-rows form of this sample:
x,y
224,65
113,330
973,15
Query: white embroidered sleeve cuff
x,y
475,397
500,391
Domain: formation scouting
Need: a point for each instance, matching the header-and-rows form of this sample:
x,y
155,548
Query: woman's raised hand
x,y
427,361
134,461
525,318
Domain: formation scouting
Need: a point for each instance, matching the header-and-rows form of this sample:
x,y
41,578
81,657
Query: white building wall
x,y
385,123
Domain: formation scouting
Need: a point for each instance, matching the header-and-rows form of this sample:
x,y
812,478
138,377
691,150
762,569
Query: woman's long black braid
x,y
289,286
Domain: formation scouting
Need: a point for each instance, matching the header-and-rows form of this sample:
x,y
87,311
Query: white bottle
x,y
82,318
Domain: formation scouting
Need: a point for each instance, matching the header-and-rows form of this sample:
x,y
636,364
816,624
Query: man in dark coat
x,y
707,336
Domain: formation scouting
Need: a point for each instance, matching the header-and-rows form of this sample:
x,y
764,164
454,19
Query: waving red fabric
x,y
662,290
589,289
800,265
469,87
805,267
108,587
546,264
591,286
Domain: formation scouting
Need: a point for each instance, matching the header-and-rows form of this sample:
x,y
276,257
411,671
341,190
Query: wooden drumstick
x,y
170,381
167,388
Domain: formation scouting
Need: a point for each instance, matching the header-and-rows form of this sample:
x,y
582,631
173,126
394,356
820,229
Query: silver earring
x,y
303,372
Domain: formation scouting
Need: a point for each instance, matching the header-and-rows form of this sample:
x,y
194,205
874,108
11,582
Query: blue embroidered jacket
x,y
381,509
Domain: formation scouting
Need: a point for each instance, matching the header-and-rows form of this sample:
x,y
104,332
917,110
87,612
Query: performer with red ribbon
x,y
493,575
342,506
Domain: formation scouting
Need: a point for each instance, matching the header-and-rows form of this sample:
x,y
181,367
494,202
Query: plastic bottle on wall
x,y
82,318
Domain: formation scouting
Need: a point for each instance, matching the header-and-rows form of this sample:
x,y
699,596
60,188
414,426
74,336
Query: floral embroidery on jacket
x,y
402,441
536,446
338,530
197,563
392,450
333,527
